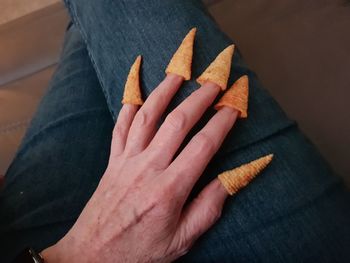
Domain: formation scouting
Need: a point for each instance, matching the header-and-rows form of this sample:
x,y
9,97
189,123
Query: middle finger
x,y
179,122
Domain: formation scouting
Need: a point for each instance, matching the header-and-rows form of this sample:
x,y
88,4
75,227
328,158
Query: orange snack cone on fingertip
x,y
181,62
132,90
218,71
236,97
235,179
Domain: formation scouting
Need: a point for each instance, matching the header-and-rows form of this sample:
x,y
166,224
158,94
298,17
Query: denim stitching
x,y
55,124
331,188
243,146
83,34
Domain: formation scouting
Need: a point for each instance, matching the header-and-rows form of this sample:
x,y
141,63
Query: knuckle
x,y
184,250
143,118
118,131
214,213
176,120
168,196
184,246
169,189
128,113
167,192
152,160
213,210
204,142
161,94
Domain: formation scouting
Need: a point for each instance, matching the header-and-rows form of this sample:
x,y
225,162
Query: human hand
x,y
137,212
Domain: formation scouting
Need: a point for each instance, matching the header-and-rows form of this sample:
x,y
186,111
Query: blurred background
x,y
299,49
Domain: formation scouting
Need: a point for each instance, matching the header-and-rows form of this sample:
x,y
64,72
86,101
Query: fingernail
x,y
181,62
132,90
236,97
236,179
219,70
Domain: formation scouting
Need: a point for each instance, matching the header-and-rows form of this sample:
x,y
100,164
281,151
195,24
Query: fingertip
x,y
215,193
174,78
233,113
212,85
127,111
132,107
219,189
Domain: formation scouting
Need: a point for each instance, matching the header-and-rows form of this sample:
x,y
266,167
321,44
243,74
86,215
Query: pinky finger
x,y
131,101
122,127
201,214
206,209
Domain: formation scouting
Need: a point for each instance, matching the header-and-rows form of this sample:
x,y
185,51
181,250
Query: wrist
x,y
28,255
69,249
62,252
52,255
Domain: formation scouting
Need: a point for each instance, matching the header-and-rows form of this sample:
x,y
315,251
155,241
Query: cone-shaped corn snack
x,y
236,97
219,70
132,90
181,62
234,180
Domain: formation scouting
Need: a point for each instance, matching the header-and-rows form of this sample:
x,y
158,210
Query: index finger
x,y
178,70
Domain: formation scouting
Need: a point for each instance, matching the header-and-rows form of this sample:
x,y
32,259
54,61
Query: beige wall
x,y
301,53
12,9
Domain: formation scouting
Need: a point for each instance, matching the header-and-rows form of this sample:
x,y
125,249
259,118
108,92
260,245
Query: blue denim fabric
x,y
296,210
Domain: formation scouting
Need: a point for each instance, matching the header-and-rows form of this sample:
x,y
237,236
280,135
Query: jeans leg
x,y
297,210
61,159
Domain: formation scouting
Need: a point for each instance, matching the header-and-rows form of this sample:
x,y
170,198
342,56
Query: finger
x,y
145,122
179,122
206,209
178,70
201,214
131,99
121,128
191,162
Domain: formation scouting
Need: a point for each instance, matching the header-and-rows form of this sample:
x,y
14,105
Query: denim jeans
x,y
297,210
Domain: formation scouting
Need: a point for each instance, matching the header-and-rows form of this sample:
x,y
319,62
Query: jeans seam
x,y
99,76
332,187
55,124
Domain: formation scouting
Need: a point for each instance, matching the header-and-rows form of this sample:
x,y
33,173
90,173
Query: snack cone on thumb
x,y
218,71
181,62
236,97
234,180
132,90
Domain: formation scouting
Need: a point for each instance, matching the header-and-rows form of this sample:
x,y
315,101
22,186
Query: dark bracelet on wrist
x,y
28,255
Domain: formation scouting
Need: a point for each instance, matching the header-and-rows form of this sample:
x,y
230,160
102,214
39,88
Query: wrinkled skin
x,y
137,212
